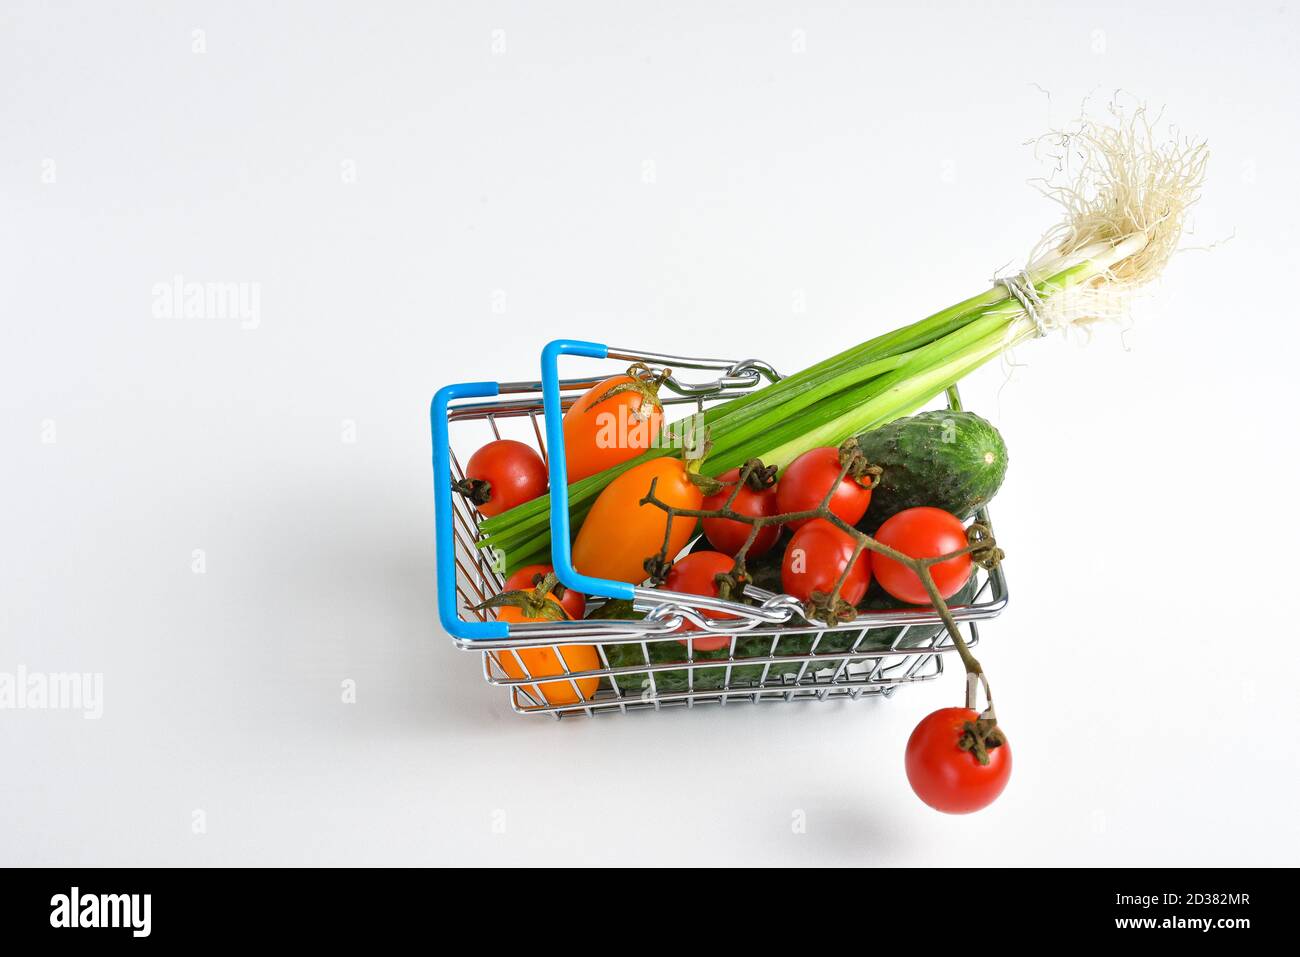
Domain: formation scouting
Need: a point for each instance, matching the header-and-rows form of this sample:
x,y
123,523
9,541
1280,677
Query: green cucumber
x,y
880,600
755,646
668,682
945,459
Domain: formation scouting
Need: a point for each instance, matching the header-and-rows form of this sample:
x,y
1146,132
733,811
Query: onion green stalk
x,y
1124,215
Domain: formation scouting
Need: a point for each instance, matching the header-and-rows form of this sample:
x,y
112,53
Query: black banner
x,y
137,906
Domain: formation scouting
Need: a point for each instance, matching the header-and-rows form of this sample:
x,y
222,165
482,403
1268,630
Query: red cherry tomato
x,y
729,536
809,477
816,557
694,574
514,474
946,777
922,533
530,576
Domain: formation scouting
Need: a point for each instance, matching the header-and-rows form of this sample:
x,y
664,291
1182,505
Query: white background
x,y
867,160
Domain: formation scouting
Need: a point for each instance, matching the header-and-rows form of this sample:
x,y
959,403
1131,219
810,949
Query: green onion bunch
x,y
1124,215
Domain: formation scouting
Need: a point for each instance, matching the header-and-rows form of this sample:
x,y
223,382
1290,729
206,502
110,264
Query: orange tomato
x,y
598,435
619,533
542,662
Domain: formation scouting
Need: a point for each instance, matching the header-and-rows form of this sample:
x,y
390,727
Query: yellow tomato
x,y
542,662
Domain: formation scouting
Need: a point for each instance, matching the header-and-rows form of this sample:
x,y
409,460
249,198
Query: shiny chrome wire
x,y
846,674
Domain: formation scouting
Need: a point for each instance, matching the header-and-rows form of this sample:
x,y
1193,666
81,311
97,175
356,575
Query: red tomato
x,y
946,777
815,559
809,477
728,535
694,574
530,576
922,533
504,473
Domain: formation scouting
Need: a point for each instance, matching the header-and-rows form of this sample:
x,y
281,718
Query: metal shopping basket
x,y
771,652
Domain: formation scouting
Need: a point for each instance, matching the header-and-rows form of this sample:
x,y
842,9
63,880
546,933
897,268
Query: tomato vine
x,y
829,607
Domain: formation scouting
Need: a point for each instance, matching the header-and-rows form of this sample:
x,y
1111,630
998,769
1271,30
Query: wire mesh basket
x,y
768,650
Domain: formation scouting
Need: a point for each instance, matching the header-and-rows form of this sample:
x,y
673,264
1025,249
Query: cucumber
x,y
945,459
880,600
661,653
670,682
711,679
615,609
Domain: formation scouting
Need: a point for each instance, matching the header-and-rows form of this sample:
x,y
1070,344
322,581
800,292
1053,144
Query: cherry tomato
x,y
809,477
816,557
922,532
619,533
504,473
728,535
599,433
542,663
530,576
695,575
946,777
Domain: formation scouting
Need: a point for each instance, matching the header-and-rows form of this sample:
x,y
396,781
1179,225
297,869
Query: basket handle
x,y
448,612
561,548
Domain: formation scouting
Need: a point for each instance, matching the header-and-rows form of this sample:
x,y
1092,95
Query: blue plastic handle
x,y
561,549
448,613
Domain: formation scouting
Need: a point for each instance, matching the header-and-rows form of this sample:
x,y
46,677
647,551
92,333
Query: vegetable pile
x,y
799,532
829,485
